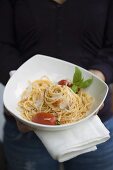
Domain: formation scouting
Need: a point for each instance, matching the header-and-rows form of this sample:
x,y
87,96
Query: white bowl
x,y
55,69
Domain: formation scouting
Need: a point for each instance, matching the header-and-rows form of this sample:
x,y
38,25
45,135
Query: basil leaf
x,y
74,88
77,76
79,82
86,83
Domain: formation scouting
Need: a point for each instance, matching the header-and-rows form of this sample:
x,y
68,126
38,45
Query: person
x,y
80,32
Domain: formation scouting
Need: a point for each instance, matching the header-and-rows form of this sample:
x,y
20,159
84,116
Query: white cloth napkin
x,y
82,138
69,143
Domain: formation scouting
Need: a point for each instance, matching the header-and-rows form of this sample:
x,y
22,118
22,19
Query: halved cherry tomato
x,y
44,118
65,82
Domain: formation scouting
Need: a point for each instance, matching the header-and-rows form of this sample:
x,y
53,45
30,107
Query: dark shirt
x,y
79,31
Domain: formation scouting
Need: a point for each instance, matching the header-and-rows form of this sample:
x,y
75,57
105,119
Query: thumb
x,y
23,128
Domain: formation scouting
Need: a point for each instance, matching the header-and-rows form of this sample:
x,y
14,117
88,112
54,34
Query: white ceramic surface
x,y
55,69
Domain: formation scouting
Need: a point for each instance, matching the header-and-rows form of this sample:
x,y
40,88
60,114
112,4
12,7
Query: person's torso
x,y
73,31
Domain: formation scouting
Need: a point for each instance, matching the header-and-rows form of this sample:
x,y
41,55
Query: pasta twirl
x,y
45,96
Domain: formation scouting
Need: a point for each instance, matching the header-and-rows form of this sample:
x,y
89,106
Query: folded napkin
x,y
69,143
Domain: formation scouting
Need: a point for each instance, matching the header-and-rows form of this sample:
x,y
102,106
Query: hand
x,y
98,74
23,128
101,76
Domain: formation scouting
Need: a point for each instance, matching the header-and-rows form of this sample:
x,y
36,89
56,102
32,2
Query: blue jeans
x,y
26,152
101,159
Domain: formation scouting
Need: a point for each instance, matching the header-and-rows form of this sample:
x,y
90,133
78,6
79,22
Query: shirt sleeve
x,y
10,57
104,60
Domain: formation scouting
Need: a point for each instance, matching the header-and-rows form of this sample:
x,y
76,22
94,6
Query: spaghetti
x,y
45,96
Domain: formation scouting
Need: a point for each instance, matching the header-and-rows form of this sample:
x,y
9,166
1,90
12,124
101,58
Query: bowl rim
x,y
53,127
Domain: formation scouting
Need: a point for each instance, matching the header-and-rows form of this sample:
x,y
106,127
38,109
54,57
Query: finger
x,y
101,106
98,74
23,128
99,109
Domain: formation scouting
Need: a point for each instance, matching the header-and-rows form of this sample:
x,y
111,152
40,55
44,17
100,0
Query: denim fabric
x,y
26,152
101,159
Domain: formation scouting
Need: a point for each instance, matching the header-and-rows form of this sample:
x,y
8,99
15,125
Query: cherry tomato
x,y
65,82
44,118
